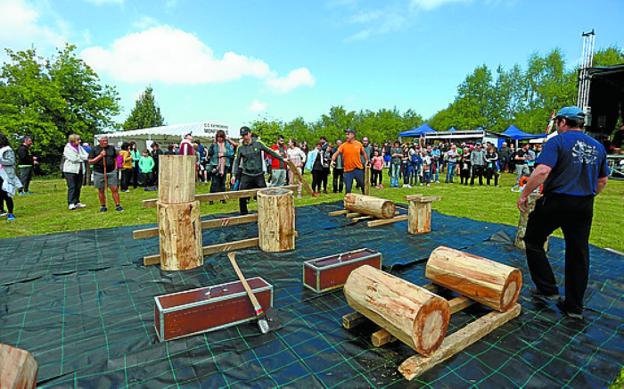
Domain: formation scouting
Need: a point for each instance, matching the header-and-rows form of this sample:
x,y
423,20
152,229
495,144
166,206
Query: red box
x,y
331,272
210,308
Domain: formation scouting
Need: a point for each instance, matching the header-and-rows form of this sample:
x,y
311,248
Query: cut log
x,y
180,236
523,221
176,179
276,220
410,313
481,279
369,205
18,368
419,213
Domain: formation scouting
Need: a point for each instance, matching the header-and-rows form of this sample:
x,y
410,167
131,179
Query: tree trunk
x,y
18,368
483,280
176,178
410,313
369,205
276,220
180,235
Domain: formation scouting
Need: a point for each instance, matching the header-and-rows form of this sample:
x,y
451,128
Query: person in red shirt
x,y
351,152
186,146
278,167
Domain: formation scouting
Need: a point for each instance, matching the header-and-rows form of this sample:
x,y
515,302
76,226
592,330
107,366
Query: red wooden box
x,y
210,308
331,272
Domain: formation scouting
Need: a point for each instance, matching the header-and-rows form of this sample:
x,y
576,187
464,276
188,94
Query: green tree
x,y
146,113
609,56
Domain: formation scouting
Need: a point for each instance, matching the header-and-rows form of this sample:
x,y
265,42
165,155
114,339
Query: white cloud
x,y
20,26
294,79
258,106
145,22
428,5
105,2
377,22
170,55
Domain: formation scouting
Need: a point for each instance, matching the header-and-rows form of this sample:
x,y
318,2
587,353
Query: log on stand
x,y
483,280
176,179
419,213
180,236
276,220
369,205
410,313
18,368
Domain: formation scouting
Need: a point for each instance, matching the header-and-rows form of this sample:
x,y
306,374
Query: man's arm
x,y
602,182
537,178
270,151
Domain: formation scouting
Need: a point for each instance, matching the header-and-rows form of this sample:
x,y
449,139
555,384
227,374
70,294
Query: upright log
x,y
483,280
369,205
410,313
276,220
419,213
176,178
523,221
180,235
18,368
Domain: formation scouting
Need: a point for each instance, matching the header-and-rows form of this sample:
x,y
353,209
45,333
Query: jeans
x,y
249,182
218,183
74,185
338,180
376,177
434,170
574,216
126,177
450,171
278,177
317,179
395,169
25,175
358,174
477,170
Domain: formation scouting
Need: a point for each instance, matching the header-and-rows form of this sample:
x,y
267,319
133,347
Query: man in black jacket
x,y
25,163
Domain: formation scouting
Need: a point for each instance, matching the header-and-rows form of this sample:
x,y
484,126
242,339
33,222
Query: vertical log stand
x,y
524,219
419,213
276,220
179,224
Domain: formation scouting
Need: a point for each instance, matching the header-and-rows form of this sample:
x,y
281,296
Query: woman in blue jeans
x,y
396,153
451,161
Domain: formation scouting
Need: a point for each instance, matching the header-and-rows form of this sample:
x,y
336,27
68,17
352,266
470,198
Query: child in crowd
x,y
146,167
377,164
426,168
464,167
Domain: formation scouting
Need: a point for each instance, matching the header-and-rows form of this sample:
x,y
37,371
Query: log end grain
x,y
431,325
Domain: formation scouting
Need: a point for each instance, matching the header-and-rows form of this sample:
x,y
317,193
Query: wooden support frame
x,y
232,195
338,213
382,222
205,224
212,249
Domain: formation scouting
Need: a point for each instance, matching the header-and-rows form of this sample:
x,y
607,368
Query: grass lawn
x,y
46,211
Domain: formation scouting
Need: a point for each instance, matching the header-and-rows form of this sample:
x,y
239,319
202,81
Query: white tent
x,y
164,135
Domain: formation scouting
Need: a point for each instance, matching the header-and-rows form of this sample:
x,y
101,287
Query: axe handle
x,y
252,296
295,171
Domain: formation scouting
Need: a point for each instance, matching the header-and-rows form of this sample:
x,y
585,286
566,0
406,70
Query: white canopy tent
x,y
165,135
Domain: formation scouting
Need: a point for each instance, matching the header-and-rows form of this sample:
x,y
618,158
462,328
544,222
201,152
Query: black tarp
x,y
82,303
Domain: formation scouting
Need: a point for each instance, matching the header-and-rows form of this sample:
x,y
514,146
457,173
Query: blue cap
x,y
572,112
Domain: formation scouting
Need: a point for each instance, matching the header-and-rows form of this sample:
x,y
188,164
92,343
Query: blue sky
x,y
234,61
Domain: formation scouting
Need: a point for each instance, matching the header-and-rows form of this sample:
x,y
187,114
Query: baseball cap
x,y
244,130
571,112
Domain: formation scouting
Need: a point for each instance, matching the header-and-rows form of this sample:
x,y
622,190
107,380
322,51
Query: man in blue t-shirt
x,y
573,169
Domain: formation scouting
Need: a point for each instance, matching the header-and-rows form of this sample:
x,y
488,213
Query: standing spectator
x,y
338,173
278,168
464,167
530,159
387,154
9,183
573,169
451,157
396,154
368,148
426,168
477,162
377,164
327,154
298,158
171,150
136,156
220,156
156,153
74,157
491,168
315,165
146,165
186,145
351,151
103,156
504,154
511,162
435,163
25,163
126,166
520,160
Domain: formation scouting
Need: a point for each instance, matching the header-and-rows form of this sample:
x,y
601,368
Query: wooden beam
x,y
422,198
212,249
338,213
232,195
353,214
306,185
381,222
367,179
205,224
360,218
416,365
353,319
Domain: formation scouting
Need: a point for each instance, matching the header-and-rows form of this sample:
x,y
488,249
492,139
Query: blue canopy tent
x,y
420,131
515,133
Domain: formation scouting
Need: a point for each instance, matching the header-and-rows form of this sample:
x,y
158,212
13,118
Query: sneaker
x,y
145,189
119,208
72,207
103,209
566,312
126,190
3,213
437,182
535,293
80,205
10,217
29,193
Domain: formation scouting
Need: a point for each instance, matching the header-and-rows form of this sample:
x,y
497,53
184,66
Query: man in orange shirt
x,y
351,151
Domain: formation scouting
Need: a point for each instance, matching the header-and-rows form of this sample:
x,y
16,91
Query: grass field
x,y
46,211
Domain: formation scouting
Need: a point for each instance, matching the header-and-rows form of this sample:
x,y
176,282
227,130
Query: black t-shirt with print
x,y
111,159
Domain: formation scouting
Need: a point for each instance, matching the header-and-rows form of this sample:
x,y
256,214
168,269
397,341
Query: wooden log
x,y
351,215
481,279
419,213
18,368
218,196
338,213
382,222
352,320
205,224
369,205
276,220
367,179
176,179
523,221
180,236
209,250
409,312
457,341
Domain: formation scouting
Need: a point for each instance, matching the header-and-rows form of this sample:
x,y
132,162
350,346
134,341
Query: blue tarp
x,y
515,133
420,131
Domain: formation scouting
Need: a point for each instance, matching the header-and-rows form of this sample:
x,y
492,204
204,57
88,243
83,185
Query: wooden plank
x,y
422,198
212,249
338,213
367,179
351,215
305,183
232,195
353,319
381,222
360,218
381,338
416,365
205,224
